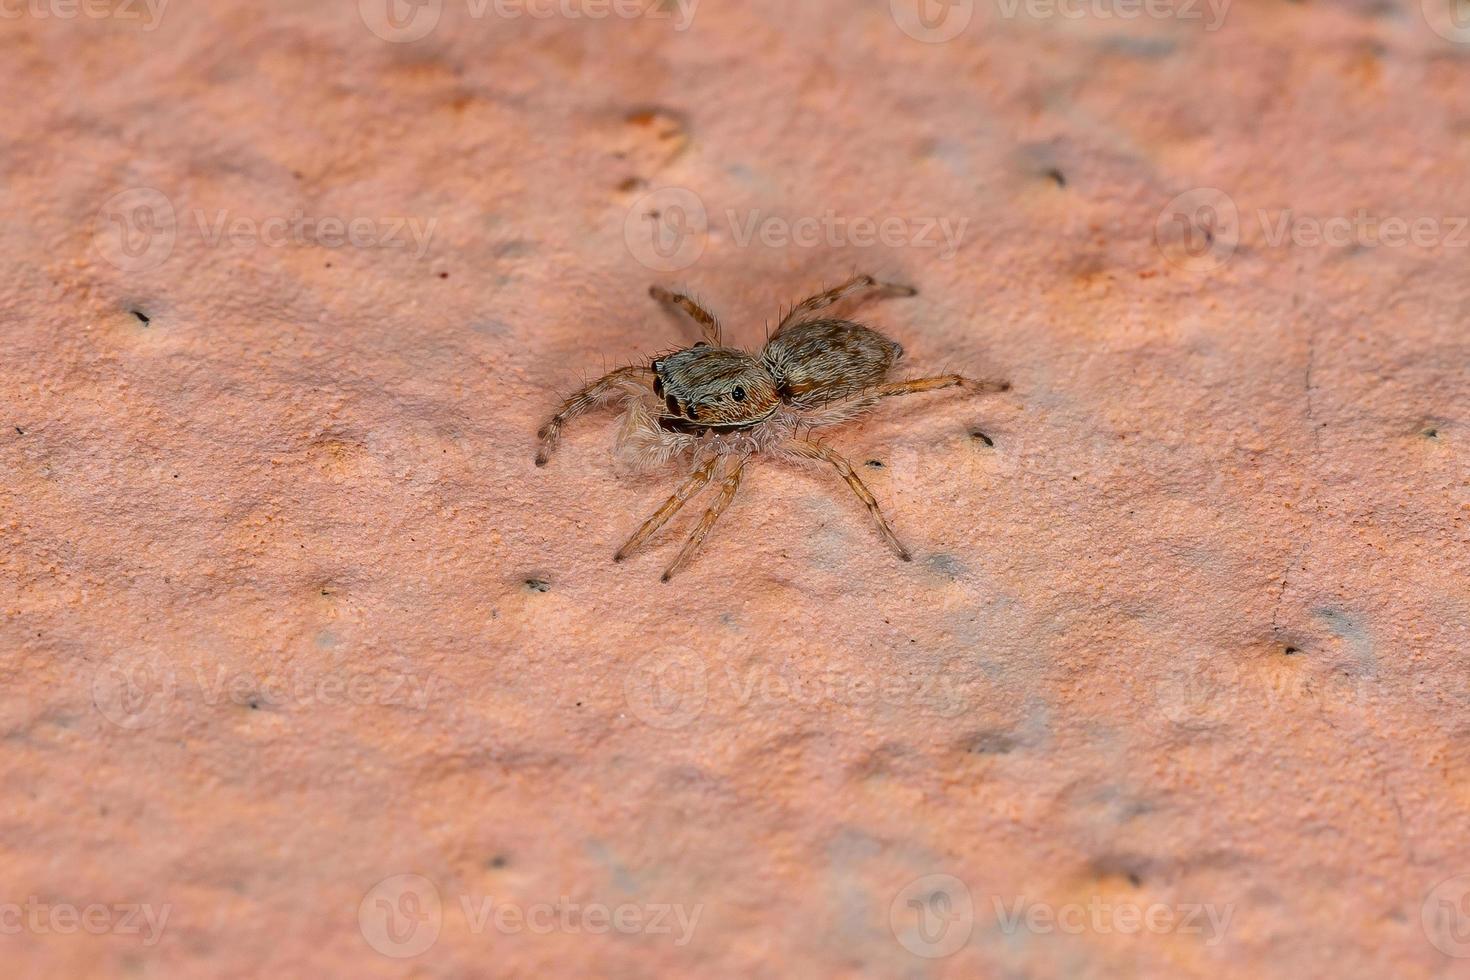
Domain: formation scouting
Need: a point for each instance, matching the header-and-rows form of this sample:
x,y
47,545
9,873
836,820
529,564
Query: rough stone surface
x,y
288,611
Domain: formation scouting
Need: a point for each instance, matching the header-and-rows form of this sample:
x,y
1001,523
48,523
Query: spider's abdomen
x,y
823,360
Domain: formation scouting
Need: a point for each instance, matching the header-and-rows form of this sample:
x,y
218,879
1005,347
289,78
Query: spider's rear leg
x,y
727,494
915,385
823,300
846,409
812,450
709,324
687,490
599,392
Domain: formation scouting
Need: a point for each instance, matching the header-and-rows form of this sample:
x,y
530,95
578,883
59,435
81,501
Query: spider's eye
x,y
738,394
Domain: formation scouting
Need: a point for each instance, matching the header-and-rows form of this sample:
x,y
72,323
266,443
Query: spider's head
x,y
713,387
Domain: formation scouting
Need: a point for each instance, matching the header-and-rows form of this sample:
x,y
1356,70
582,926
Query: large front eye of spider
x,y
738,394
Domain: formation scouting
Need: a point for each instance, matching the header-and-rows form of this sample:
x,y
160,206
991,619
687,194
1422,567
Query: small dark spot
x,y
738,394
329,265
875,464
19,430
1291,651
296,174
143,318
630,184
658,386
498,861
538,585
254,705
990,743
1431,433
982,437
692,410
1134,880
443,275
1057,177
672,403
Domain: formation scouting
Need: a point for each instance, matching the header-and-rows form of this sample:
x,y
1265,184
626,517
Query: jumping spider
x,y
716,404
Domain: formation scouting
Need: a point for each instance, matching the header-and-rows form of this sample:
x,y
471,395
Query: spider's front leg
x,y
599,392
709,324
680,497
727,494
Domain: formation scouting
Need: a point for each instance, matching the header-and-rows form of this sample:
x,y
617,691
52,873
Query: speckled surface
x,y
286,611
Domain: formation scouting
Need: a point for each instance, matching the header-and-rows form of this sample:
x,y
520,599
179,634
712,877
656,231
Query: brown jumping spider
x,y
716,404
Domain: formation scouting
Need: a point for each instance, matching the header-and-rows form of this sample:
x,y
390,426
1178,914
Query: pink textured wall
x,y
305,668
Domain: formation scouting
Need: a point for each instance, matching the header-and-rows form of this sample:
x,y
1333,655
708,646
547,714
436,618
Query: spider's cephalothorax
x,y
714,404
707,387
